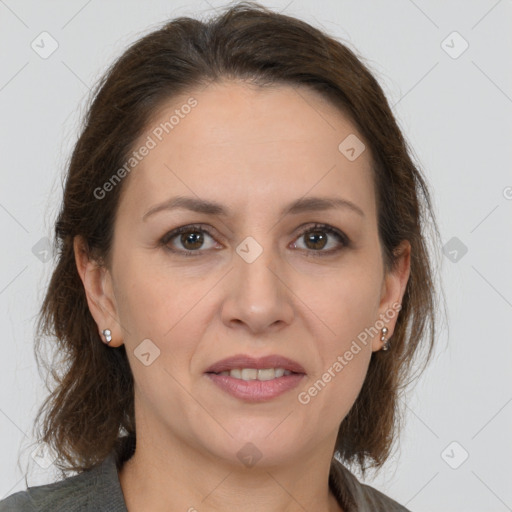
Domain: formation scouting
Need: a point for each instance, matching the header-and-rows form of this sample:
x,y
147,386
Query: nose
x,y
258,297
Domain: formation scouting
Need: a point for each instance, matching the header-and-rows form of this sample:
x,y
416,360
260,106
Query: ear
x,y
393,289
97,283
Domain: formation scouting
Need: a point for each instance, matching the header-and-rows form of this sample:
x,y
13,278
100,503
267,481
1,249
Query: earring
x,y
384,339
108,335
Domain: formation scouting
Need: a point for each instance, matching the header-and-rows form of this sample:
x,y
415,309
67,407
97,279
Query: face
x,y
254,280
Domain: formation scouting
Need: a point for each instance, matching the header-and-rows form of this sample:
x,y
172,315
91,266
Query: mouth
x,y
256,379
245,367
262,374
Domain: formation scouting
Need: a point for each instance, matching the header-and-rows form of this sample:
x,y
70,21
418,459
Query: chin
x,y
255,446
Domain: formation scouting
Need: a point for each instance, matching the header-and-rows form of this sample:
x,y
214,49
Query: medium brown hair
x,y
90,410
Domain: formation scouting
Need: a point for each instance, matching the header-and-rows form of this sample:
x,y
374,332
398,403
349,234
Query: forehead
x,y
241,143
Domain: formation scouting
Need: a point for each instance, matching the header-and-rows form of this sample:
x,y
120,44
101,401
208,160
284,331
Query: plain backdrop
x,y
445,67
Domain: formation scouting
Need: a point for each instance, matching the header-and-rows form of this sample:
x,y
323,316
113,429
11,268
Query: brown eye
x,y
192,240
318,237
187,240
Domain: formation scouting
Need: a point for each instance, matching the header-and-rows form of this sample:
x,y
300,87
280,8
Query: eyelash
x,y
192,228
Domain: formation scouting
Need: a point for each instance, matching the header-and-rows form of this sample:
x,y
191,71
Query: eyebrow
x,y
304,204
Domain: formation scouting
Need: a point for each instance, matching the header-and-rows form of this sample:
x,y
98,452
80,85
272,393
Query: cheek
x,y
151,300
144,306
163,308
332,391
347,303
347,310
166,306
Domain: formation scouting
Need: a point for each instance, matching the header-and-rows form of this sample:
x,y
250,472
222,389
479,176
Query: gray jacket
x,y
99,490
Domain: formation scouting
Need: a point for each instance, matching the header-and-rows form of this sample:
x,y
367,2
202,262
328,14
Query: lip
x,y
255,390
260,363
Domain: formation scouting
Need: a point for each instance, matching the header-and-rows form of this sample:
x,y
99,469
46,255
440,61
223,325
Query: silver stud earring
x,y
108,335
384,339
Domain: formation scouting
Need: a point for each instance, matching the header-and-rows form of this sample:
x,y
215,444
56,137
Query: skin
x,y
253,150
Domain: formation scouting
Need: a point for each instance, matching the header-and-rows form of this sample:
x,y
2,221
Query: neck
x,y
175,476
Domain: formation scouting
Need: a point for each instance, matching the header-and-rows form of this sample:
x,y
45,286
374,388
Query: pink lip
x,y
246,361
255,390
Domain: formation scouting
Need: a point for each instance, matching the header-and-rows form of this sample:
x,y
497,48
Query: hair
x,y
90,410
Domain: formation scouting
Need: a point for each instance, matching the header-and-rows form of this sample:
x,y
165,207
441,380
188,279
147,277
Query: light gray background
x,y
456,114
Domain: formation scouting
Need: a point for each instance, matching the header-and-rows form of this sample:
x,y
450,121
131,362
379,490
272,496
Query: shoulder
x,y
358,497
18,502
378,501
91,490
54,496
72,493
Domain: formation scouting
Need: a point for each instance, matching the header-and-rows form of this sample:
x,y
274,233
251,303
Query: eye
x,y
191,238
317,238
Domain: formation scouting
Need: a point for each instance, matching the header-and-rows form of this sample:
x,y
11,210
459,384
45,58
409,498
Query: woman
x,y
243,279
